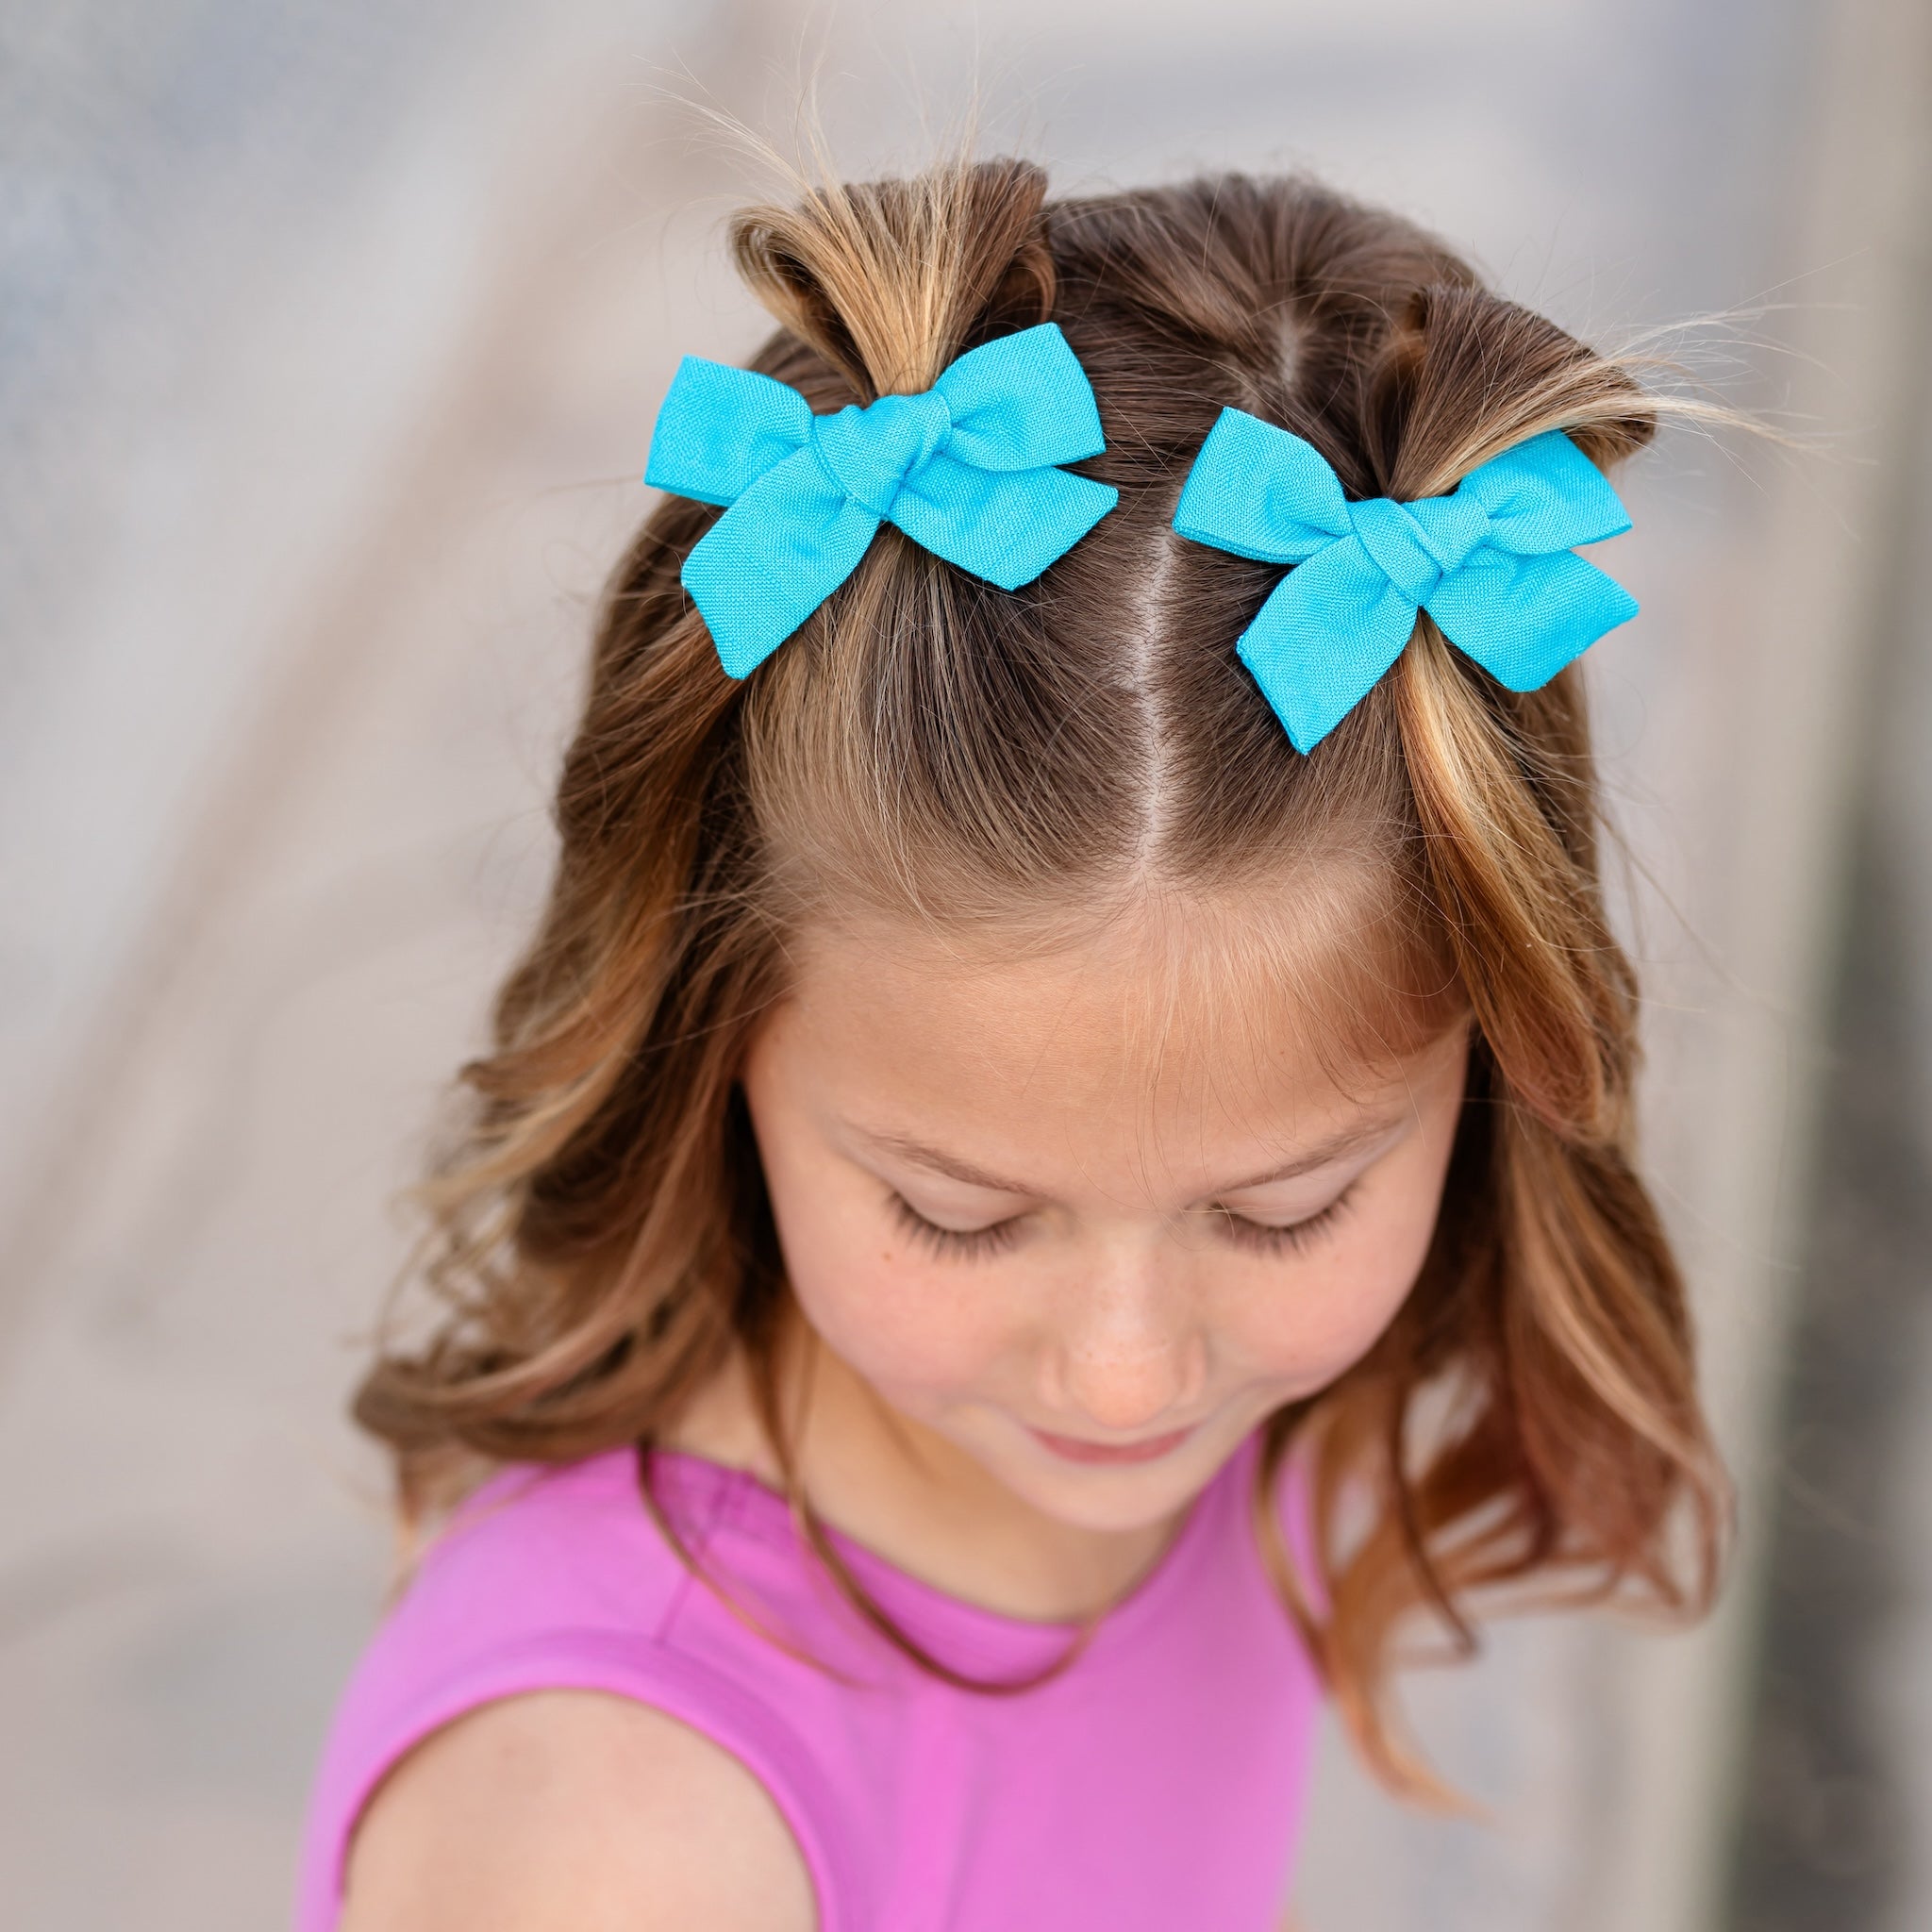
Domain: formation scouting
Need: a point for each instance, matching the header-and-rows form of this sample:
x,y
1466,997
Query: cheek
x,y
1327,1311
894,1314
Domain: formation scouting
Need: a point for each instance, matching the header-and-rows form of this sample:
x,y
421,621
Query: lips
x,y
1073,1449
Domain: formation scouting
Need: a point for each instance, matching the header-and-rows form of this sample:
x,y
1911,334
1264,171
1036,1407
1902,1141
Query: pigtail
x,y
1578,1433
1504,787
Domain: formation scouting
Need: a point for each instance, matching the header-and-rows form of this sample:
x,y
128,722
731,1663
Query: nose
x,y
1128,1353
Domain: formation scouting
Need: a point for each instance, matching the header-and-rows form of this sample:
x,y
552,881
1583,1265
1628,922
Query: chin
x,y
1123,1497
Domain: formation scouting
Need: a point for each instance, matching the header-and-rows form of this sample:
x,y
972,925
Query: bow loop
x,y
1491,562
1022,402
722,428
969,470
1261,493
1544,495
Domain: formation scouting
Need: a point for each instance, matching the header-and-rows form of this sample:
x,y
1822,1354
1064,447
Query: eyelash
x,y
969,1244
974,1244
1293,1239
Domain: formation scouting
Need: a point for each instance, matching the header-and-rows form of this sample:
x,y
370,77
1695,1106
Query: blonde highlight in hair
x,y
934,749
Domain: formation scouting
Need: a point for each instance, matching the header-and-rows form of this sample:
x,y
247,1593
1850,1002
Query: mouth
x,y
1073,1449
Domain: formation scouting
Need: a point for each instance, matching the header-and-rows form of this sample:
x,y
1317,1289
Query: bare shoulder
x,y
575,1811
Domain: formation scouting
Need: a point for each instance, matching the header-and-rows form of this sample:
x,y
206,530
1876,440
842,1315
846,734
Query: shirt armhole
x,y
587,1661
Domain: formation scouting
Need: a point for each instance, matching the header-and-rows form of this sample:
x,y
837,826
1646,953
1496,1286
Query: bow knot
x,y
1416,545
1399,546
1493,563
870,451
969,470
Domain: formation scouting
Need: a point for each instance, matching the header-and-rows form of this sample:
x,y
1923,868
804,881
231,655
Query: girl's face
x,y
1085,1221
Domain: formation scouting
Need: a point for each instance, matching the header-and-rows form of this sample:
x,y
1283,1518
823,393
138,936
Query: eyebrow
x,y
936,1161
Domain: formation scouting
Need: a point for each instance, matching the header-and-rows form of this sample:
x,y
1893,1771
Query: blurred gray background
x,y
330,339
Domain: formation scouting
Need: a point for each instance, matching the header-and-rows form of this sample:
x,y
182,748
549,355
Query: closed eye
x,y
960,1244
1258,1238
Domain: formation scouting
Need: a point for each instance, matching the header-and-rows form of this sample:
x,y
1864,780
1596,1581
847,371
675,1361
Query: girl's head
x,y
988,981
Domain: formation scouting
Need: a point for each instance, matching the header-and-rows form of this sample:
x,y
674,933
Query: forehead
x,y
1198,1035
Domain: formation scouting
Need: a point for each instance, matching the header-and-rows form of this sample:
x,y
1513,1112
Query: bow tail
x,y
774,558
1330,629
1523,618
1005,526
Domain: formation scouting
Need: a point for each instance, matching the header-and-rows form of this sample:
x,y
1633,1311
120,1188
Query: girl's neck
x,y
911,1496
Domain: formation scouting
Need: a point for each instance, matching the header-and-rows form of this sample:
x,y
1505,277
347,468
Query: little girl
x,y
1059,1170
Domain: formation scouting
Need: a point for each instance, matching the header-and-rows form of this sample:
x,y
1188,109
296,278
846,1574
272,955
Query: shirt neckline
x,y
742,1501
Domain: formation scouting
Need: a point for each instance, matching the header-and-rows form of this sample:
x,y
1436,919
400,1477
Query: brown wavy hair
x,y
935,748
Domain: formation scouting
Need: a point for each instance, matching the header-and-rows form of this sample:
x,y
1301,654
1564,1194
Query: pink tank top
x,y
1157,1783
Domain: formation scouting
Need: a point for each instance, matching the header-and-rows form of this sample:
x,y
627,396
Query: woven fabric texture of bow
x,y
968,469
1490,562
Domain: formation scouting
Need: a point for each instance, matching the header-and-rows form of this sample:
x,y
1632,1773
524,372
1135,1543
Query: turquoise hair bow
x,y
1490,562
968,469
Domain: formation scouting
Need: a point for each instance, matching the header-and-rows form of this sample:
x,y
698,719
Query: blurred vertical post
x,y
1834,1825
1832,530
